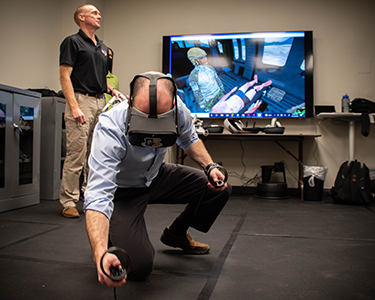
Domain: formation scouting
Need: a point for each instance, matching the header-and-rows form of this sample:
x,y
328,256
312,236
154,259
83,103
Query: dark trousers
x,y
175,184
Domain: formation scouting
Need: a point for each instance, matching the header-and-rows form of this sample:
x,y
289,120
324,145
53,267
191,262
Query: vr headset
x,y
153,130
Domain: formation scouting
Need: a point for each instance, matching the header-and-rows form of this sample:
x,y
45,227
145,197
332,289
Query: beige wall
x,y
344,53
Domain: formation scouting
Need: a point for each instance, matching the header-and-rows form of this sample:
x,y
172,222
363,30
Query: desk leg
x,y
300,168
300,163
351,140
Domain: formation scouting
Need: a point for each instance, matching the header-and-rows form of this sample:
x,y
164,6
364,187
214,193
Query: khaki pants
x,y
78,144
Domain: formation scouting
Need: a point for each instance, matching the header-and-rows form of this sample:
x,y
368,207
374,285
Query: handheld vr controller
x,y
117,273
208,171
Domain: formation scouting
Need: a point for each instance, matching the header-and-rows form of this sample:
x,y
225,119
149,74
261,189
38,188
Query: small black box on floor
x,y
272,190
313,193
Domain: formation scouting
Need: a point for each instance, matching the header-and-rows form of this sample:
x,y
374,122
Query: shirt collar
x,y
85,37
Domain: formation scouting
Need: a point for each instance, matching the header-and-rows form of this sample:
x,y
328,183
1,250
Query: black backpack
x,y
366,107
352,184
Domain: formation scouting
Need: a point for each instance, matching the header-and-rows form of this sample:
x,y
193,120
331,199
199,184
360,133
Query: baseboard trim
x,y
293,192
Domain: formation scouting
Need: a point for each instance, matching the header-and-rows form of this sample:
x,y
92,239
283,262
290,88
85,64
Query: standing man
x,y
83,70
127,174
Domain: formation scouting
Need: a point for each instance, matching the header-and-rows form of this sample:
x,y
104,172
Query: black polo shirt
x,y
89,62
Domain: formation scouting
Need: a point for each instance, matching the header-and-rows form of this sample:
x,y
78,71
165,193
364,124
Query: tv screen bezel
x,y
309,69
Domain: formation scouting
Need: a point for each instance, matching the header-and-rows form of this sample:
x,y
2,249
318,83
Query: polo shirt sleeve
x,y
68,52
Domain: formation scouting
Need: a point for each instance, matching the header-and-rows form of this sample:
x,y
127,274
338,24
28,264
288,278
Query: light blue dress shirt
x,y
114,162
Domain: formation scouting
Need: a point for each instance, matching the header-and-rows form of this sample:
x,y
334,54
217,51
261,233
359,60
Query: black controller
x,y
117,273
208,170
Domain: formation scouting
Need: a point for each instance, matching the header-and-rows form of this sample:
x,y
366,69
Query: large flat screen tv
x,y
243,75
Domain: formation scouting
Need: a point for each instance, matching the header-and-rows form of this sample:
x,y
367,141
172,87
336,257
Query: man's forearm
x,y
67,86
68,91
112,91
199,154
97,226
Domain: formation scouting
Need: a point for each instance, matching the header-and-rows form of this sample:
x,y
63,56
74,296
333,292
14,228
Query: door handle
x,y
17,126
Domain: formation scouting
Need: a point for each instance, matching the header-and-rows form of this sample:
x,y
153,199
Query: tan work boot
x,y
186,243
70,212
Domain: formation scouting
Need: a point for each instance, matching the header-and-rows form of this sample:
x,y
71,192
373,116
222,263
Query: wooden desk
x,y
299,138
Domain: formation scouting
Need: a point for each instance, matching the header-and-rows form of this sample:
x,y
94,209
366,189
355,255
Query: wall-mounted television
x,y
243,75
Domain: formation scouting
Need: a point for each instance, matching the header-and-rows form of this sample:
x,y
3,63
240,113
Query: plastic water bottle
x,y
345,101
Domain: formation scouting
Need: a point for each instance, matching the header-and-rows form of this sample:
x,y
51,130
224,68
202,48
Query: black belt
x,y
96,95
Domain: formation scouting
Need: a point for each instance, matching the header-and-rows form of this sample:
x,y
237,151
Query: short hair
x,y
169,86
143,82
78,11
139,84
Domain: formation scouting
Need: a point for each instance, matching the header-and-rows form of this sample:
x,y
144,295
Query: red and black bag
x,y
352,184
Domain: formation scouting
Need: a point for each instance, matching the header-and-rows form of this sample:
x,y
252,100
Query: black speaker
x,y
272,190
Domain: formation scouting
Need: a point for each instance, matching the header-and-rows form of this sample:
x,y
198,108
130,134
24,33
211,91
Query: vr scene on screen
x,y
243,75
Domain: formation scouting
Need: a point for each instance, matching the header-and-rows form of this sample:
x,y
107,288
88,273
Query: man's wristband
x,y
111,90
209,167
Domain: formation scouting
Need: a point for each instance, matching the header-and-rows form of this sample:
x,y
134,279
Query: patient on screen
x,y
234,103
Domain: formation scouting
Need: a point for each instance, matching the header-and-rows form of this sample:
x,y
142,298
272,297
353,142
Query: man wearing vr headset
x,y
127,172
